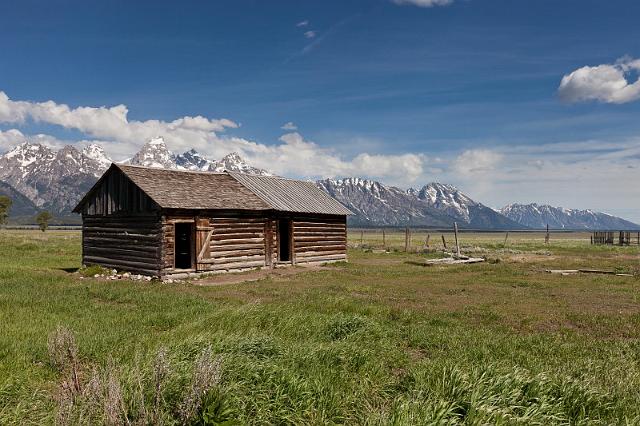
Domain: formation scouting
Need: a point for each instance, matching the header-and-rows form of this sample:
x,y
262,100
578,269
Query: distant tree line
x,y
42,219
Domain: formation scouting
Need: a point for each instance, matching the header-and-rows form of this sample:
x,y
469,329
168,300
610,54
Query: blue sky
x,y
465,92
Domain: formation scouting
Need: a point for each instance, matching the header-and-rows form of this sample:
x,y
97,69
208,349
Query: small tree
x,y
5,206
43,219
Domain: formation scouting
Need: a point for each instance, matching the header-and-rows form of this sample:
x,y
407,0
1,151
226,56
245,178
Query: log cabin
x,y
164,223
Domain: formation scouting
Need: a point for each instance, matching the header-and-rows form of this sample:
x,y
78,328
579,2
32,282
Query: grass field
x,y
378,340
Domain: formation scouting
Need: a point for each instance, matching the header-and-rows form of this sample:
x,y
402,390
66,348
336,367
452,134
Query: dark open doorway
x,y
184,246
284,240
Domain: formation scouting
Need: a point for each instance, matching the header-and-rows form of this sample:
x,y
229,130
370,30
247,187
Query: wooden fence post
x,y
444,242
361,236
426,242
406,239
384,238
506,237
455,232
546,237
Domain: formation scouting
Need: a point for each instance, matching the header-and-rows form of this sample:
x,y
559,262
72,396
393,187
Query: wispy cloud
x,y
310,34
302,23
423,3
289,126
604,83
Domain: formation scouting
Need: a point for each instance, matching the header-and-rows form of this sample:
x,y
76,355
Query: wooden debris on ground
x,y
454,261
586,271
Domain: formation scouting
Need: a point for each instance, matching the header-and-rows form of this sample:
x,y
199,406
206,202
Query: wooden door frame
x,y
290,237
192,222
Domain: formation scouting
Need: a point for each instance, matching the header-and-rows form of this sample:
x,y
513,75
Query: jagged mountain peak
x,y
233,162
158,140
154,153
27,153
192,160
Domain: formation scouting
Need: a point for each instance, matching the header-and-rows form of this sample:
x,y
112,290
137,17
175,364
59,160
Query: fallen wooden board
x,y
563,271
586,271
452,261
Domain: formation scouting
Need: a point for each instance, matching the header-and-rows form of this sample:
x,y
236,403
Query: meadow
x,y
379,340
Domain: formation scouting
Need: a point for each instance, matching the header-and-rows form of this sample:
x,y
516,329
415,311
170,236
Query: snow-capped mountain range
x,y
57,180
156,154
538,216
435,205
37,177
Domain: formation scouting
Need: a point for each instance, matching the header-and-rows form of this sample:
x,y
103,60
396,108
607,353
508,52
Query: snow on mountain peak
x,y
232,162
154,153
158,140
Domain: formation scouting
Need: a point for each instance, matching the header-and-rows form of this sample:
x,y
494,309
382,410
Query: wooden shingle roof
x,y
177,189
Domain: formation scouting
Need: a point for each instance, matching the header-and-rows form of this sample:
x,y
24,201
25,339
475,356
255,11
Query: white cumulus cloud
x,y
292,155
476,161
604,83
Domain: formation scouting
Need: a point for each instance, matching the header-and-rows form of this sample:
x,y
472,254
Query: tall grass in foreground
x,y
140,396
377,341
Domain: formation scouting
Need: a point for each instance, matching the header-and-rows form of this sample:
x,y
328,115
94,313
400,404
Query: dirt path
x,y
236,278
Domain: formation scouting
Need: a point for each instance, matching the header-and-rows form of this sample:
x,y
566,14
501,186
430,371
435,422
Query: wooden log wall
x,y
116,194
236,243
132,243
319,239
224,242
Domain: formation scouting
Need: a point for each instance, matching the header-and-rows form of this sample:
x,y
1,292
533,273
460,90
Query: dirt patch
x,y
231,278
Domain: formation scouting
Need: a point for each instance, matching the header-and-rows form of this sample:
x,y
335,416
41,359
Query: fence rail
x,y
625,238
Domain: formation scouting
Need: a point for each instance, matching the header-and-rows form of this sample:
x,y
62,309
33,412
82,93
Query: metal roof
x,y
291,195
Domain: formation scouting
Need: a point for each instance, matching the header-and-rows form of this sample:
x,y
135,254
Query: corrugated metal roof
x,y
291,195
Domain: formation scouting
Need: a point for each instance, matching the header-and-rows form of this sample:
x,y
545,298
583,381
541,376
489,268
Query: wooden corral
x,y
161,222
624,238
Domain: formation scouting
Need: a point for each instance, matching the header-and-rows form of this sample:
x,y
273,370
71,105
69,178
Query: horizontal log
x,y
238,229
302,223
131,230
120,219
218,220
114,243
124,239
240,241
239,222
143,252
222,261
321,258
239,265
231,253
319,253
149,260
320,233
320,238
330,228
319,243
232,236
321,248
105,260
228,247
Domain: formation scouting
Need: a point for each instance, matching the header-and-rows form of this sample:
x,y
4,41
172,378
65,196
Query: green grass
x,y
377,340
